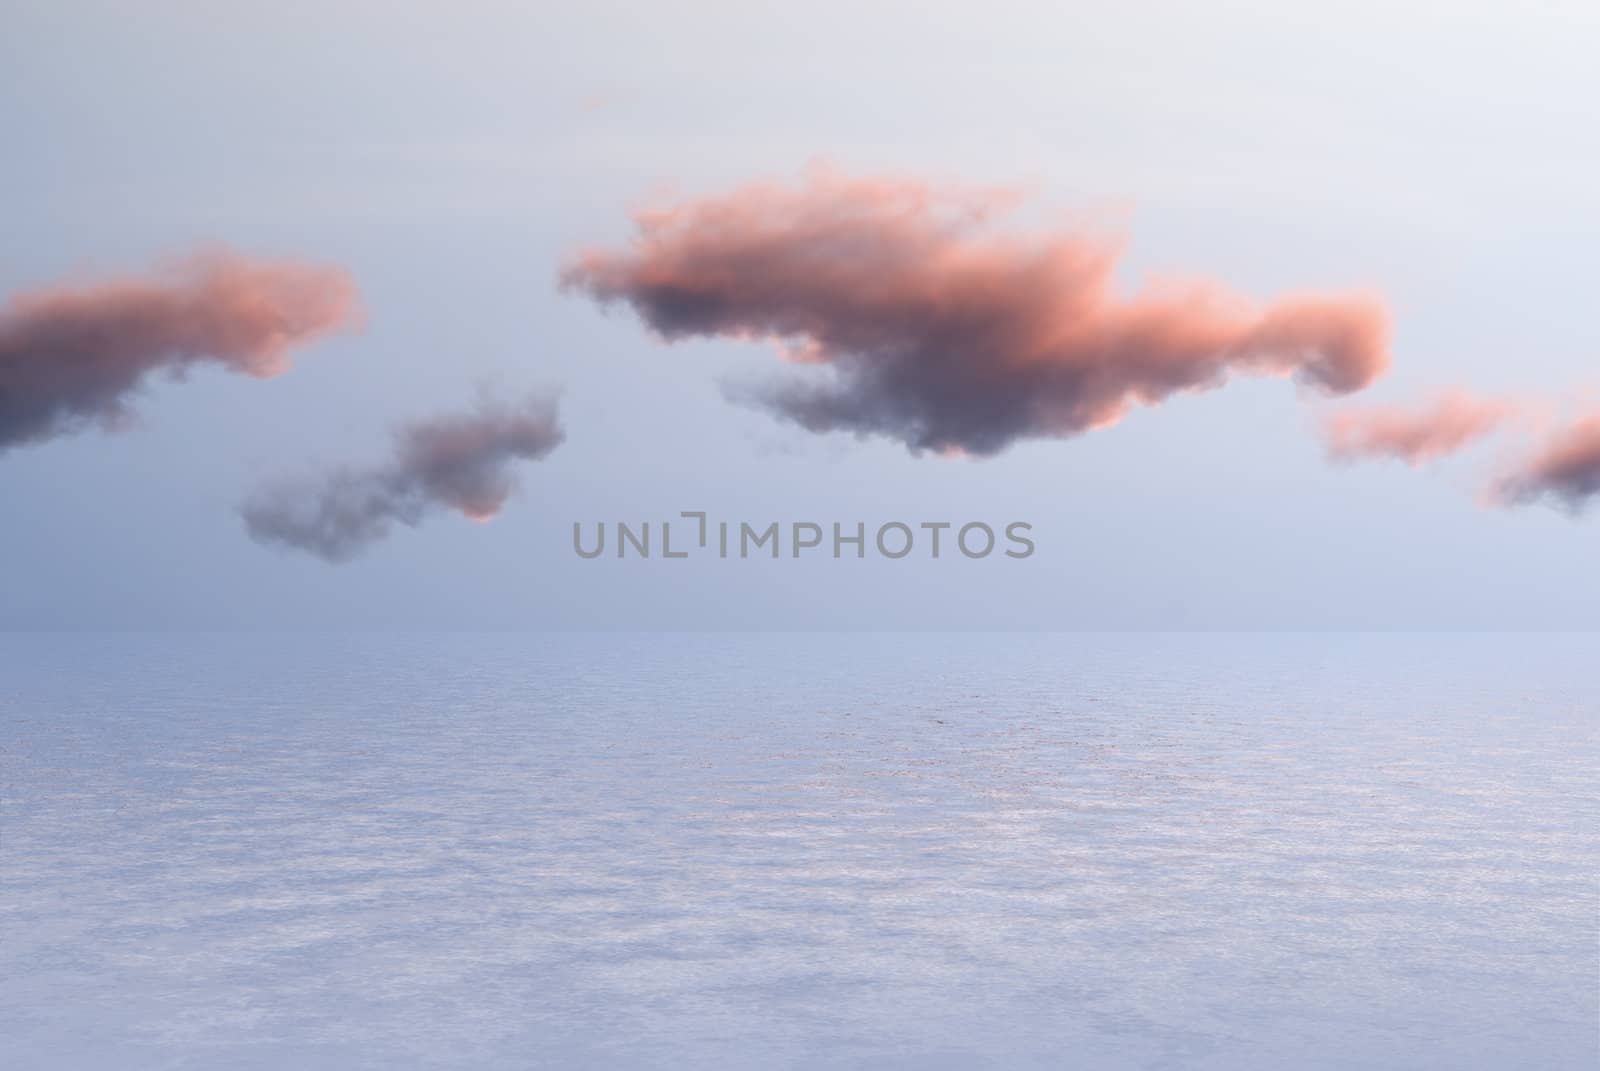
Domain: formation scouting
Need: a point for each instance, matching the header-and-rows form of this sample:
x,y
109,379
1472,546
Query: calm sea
x,y
733,851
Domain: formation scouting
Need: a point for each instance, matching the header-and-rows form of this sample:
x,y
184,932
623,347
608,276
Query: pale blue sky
x,y
452,155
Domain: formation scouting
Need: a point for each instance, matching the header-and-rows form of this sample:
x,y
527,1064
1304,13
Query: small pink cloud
x,y
1564,471
460,461
1451,422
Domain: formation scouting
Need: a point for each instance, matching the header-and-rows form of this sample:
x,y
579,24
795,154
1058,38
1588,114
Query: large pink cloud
x,y
73,355
923,325
1564,471
1451,422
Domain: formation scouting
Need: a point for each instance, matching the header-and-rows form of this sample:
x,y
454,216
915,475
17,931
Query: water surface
x,y
799,851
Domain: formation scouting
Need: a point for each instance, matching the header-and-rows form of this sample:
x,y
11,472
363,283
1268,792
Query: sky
x,y
453,164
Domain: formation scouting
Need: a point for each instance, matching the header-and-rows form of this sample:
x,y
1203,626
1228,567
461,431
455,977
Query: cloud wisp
x,y
462,462
922,325
1453,421
1563,472
71,356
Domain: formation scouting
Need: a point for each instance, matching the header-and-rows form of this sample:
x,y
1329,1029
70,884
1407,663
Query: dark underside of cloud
x,y
71,356
918,325
461,462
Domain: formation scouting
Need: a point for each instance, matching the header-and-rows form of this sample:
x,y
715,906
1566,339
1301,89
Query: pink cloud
x,y
73,355
1564,471
917,322
460,461
1451,422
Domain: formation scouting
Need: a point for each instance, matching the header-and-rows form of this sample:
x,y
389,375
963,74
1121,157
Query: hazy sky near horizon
x,y
452,158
